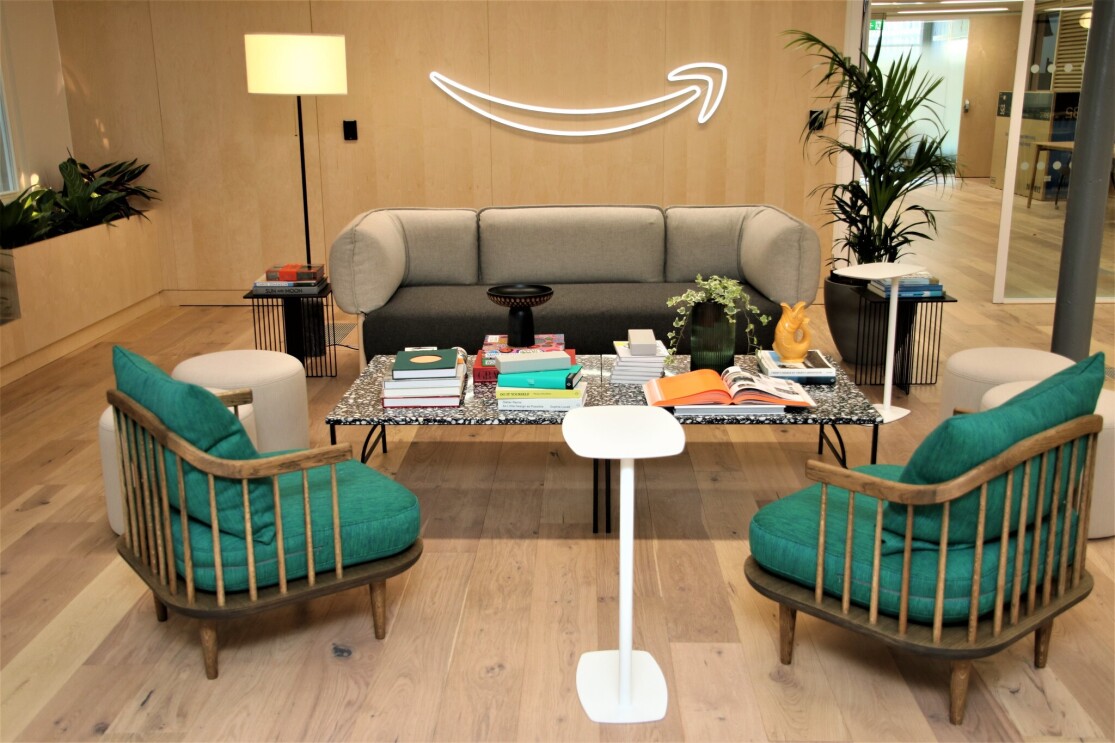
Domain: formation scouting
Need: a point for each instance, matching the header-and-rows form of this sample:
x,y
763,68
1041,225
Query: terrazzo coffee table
x,y
841,403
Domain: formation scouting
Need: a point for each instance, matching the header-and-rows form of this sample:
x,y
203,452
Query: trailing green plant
x,y
89,196
882,109
721,290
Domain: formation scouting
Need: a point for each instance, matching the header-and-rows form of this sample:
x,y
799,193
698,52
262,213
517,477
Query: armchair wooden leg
x,y
209,647
1041,644
160,608
379,607
958,690
787,621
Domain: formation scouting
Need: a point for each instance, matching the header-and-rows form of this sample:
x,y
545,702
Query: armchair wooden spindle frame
x,y
1070,449
147,544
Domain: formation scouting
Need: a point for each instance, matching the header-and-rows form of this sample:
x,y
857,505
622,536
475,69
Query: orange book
x,y
734,386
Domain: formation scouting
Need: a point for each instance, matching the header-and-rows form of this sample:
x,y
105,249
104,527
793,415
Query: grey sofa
x,y
419,276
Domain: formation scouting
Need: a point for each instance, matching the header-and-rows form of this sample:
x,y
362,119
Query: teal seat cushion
x,y
783,540
379,517
964,441
195,414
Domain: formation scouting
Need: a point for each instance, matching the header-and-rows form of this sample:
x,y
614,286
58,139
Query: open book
x,y
734,386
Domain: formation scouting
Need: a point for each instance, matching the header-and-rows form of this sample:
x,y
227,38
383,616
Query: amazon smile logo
x,y
704,86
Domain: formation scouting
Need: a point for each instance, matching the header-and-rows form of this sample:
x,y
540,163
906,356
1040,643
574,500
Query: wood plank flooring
x,y
485,632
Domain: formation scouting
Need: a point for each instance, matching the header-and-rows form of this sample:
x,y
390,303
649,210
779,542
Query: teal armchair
x,y
219,531
977,541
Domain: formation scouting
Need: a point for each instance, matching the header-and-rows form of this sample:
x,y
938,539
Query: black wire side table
x,y
917,345
298,324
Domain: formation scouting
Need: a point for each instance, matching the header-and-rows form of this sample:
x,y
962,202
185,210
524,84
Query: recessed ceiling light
x,y
957,11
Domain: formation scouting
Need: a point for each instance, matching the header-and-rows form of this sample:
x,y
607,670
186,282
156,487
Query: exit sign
x,y
876,24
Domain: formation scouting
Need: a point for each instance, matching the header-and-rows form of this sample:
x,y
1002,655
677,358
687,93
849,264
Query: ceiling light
x,y
1086,20
958,10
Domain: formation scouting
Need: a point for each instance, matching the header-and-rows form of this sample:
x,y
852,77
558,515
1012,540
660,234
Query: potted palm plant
x,y
888,125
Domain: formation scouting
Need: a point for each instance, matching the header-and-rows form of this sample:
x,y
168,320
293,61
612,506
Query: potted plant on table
x,y
888,125
710,311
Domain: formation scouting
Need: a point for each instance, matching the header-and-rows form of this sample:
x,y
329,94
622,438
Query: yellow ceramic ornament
x,y
791,335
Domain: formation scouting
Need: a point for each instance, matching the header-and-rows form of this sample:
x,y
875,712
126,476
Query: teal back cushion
x,y
195,414
965,441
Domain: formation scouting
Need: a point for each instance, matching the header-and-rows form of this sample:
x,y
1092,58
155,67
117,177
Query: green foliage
x,y
89,196
726,292
21,219
881,107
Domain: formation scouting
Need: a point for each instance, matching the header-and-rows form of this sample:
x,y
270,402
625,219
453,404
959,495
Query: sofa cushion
x,y
703,240
961,442
367,261
572,244
379,517
440,246
195,414
783,539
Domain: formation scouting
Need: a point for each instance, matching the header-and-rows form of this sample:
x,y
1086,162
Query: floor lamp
x,y
298,65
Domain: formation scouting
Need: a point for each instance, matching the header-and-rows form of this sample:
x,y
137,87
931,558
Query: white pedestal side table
x,y
623,685
892,271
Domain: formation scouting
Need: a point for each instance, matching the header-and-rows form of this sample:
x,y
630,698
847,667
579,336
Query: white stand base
x,y
598,687
891,414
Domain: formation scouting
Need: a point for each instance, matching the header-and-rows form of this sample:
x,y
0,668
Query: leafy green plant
x,y
89,196
726,292
21,219
881,108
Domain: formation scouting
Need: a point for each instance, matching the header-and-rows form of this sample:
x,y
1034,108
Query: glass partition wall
x,y
1036,165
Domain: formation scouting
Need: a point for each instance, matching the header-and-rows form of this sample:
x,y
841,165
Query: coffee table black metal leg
x,y
370,444
874,442
607,496
332,433
595,496
841,454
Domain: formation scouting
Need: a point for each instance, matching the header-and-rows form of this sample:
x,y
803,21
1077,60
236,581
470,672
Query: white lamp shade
x,y
296,64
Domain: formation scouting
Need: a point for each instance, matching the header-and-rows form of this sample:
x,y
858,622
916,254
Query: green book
x,y
551,379
441,362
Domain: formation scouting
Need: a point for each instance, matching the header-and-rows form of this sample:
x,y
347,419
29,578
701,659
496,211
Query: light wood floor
x,y
484,633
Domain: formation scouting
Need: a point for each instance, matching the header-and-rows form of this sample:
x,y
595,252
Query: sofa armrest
x,y
367,262
780,255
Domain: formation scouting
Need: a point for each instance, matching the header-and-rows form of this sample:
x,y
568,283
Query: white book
x,y
540,403
729,409
813,365
623,351
427,383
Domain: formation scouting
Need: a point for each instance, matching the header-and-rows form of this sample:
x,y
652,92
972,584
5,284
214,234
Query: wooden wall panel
x,y
236,201
988,69
577,55
416,146
108,65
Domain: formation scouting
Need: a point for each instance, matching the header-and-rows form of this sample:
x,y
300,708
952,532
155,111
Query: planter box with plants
x,y
76,255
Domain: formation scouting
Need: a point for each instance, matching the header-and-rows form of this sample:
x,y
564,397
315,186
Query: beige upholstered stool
x,y
1102,520
110,462
972,372
278,385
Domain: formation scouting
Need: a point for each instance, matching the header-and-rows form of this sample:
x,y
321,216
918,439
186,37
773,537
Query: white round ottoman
x,y
972,372
278,384
110,461
1102,521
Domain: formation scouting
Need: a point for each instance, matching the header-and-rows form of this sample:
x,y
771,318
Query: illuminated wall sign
x,y
703,85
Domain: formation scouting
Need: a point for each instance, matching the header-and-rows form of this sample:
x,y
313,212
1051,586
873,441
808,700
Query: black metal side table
x,y
299,324
917,347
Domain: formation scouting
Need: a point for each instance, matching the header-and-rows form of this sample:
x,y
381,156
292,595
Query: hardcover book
x,y
441,362
291,291
554,379
264,281
734,386
296,272
813,365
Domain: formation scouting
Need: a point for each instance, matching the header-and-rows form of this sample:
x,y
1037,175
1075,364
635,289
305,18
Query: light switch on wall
x,y
349,128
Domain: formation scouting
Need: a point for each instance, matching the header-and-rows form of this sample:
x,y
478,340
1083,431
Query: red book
x,y
296,272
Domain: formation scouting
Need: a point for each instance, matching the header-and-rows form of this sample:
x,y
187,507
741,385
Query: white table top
x,y
622,432
871,271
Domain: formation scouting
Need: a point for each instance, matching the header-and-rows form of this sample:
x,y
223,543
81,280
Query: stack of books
x,y
920,284
544,381
734,391
292,279
426,378
484,369
813,369
632,368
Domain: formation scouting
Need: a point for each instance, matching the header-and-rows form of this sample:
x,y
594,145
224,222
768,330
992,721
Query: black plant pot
x,y
862,341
